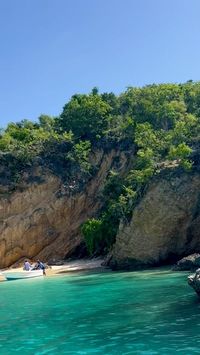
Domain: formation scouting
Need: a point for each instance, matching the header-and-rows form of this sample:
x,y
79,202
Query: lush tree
x,y
92,231
46,122
86,116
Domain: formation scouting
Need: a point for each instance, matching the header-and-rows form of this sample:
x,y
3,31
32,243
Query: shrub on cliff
x,y
92,232
86,116
99,234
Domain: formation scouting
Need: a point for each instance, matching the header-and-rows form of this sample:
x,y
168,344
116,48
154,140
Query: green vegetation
x,y
160,123
86,116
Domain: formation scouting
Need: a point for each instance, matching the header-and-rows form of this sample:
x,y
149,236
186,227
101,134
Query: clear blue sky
x,y
51,49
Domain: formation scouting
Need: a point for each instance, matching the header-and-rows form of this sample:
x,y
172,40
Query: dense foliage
x,y
161,122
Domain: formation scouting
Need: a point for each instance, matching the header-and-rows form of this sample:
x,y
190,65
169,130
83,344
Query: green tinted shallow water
x,y
152,312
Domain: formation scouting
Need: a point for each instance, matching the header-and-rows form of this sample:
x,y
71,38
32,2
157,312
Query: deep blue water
x,y
149,312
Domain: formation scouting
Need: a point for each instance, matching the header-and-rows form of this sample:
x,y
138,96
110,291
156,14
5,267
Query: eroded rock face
x,y
44,219
188,263
164,225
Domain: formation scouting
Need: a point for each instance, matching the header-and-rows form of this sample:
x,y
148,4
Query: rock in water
x,y
190,263
194,281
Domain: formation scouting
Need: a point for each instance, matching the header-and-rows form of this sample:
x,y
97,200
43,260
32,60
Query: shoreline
x,y
67,267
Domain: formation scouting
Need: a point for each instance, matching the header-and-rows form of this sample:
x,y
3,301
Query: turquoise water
x,y
151,312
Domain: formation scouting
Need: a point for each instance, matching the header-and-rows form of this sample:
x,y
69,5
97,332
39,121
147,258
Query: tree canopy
x,y
86,116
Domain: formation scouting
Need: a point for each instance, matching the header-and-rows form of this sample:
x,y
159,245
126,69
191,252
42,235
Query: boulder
x,y
188,263
194,281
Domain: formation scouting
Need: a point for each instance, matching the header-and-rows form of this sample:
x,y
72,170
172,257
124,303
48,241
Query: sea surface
x,y
148,312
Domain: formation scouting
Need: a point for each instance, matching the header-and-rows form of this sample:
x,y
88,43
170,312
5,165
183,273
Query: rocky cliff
x,y
164,226
42,219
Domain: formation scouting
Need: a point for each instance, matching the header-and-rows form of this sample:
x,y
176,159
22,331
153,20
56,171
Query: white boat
x,y
15,275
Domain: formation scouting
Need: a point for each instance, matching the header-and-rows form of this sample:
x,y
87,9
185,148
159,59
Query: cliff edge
x,y
42,219
164,225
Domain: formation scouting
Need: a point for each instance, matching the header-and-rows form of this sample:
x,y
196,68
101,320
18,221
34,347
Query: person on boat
x,y
27,266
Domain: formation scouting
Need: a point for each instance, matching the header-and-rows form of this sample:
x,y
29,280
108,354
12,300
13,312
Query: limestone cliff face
x,y
44,219
165,224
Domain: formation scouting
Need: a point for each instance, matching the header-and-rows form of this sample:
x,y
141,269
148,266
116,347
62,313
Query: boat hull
x,y
16,275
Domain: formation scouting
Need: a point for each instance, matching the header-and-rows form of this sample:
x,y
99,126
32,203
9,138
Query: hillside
x,y
109,175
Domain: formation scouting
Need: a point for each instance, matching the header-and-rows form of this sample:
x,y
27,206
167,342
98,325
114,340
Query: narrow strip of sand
x,y
68,266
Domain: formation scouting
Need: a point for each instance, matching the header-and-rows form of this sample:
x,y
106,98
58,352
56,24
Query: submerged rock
x,y
188,263
194,281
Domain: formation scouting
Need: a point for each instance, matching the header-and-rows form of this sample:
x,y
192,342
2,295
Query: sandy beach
x,y
68,266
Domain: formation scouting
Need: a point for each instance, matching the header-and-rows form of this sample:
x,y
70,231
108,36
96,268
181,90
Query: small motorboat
x,y
15,275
